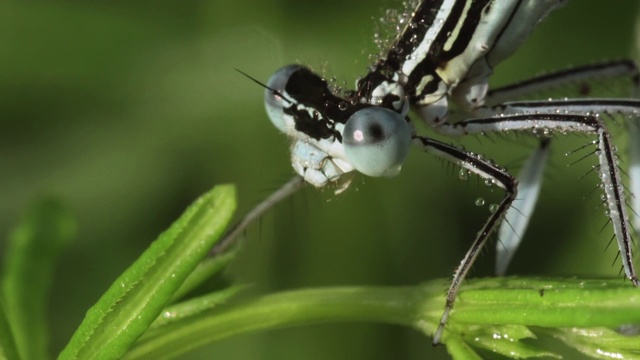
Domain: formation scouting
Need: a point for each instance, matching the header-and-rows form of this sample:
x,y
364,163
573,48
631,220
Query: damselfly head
x,y
334,135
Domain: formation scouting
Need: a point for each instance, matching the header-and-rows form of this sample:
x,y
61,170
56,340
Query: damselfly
x,y
444,53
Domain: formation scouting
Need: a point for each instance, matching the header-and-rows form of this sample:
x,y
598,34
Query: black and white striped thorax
x,y
450,47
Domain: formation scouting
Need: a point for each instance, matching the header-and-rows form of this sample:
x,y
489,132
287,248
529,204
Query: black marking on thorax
x,y
412,35
438,57
310,92
409,40
405,44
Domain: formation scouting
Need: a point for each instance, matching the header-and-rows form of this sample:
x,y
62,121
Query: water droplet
x,y
343,105
493,208
479,201
168,314
463,174
489,182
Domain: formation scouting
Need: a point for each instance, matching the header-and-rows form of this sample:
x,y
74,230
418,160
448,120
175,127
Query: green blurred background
x,y
130,110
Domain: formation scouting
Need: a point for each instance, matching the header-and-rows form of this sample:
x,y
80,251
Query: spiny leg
x,y
541,116
517,218
530,178
488,171
629,108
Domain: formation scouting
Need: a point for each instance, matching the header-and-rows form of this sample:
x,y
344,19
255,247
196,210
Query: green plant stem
x,y
481,303
369,304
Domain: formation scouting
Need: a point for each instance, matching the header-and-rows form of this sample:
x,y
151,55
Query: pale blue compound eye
x,y
376,141
275,103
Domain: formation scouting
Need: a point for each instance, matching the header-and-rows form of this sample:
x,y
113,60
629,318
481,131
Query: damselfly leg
x,y
530,178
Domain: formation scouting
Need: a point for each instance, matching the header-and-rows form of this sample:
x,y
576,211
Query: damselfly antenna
x,y
273,91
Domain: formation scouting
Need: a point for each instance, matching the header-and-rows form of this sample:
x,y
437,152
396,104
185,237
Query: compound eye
x,y
274,103
376,141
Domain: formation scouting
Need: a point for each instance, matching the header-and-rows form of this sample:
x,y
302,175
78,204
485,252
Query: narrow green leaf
x,y
460,350
192,307
505,340
138,296
33,249
8,349
600,343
